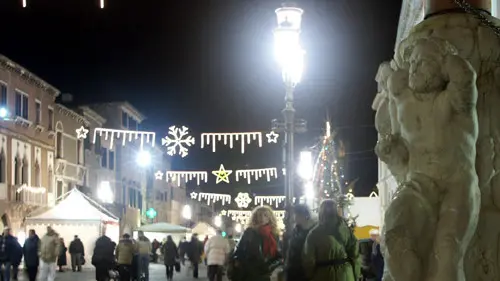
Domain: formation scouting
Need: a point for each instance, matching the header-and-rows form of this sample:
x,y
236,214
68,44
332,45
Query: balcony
x,y
32,196
70,171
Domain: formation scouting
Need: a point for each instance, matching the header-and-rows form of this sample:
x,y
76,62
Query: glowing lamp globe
x,y
218,221
4,113
287,49
186,212
143,158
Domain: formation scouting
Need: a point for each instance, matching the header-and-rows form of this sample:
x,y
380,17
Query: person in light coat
x,y
216,250
49,250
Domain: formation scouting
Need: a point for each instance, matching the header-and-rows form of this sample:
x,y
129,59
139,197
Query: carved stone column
x,y
417,237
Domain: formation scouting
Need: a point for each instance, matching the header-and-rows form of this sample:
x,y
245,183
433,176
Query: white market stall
x,y
204,229
160,230
76,214
368,212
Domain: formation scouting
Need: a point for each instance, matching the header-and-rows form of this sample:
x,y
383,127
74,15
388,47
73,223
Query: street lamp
x,y
143,158
305,167
237,228
218,221
104,192
290,57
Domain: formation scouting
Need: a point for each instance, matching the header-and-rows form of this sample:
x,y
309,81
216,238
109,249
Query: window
x,y
22,105
25,171
124,119
111,165
38,112
97,145
132,124
104,157
3,93
51,180
79,150
3,167
60,189
59,145
51,119
124,194
38,176
17,169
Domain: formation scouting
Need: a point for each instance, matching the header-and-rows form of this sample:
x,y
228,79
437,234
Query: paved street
x,y
156,273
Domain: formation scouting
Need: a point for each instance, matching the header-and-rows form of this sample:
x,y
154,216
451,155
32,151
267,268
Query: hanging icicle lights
x,y
102,3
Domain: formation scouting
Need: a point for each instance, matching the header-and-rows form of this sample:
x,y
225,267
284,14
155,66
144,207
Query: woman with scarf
x,y
257,254
331,249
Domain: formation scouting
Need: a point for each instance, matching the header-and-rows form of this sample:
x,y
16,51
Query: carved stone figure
x,y
434,92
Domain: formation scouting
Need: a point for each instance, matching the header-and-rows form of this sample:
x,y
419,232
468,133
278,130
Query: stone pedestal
x,y
438,117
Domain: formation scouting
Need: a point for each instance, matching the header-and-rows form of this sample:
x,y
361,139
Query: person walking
x,y
125,252
144,249
183,247
77,252
257,254
61,259
170,256
9,252
31,257
195,253
331,250
49,250
376,255
303,224
216,250
103,257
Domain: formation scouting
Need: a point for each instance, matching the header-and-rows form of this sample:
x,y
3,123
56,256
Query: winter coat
x,y
10,250
377,261
61,259
194,250
170,253
103,255
76,247
252,265
294,269
144,246
331,252
49,247
216,250
125,251
30,251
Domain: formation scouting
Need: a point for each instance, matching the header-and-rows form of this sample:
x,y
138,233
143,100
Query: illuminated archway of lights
x,y
101,3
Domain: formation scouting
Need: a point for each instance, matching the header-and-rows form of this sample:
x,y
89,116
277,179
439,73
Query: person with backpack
x,y
257,254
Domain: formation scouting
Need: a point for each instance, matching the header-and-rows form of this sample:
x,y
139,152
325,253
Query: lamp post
x,y
290,57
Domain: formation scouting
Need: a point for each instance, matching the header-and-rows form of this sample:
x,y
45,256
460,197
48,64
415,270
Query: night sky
x,y
208,65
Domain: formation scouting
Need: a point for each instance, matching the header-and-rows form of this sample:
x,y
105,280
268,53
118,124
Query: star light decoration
x,y
272,137
243,200
159,175
179,141
81,133
194,195
222,174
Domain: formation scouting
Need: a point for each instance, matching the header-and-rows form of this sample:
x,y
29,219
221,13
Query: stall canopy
x,y
75,207
163,227
204,229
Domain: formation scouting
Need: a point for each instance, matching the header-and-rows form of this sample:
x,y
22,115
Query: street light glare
x,y
309,190
3,112
186,212
305,167
237,228
143,158
104,193
218,221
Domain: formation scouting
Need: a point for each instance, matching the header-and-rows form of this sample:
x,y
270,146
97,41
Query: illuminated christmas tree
x,y
329,181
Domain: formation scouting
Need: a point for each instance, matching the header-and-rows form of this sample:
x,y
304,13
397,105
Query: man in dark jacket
x,y
10,250
103,258
30,251
303,224
77,253
194,253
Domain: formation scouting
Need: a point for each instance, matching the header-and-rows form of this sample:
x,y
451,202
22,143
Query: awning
x,y
163,227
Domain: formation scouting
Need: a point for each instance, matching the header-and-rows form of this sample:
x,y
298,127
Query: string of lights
x,y
102,3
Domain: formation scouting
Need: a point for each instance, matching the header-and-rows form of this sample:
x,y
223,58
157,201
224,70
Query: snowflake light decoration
x,y
243,200
180,139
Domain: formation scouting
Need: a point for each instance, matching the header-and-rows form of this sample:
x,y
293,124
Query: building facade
x,y
70,170
27,142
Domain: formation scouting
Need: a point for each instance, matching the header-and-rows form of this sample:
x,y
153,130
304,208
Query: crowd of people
x,y
321,249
